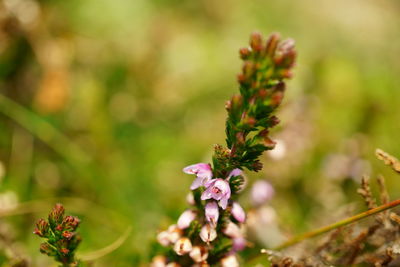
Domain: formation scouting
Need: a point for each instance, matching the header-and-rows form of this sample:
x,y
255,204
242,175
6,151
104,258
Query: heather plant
x,y
211,231
61,238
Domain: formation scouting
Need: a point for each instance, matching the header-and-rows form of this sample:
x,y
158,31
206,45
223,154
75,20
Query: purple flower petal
x,y
223,203
185,219
239,243
261,192
212,213
207,194
200,169
238,212
196,183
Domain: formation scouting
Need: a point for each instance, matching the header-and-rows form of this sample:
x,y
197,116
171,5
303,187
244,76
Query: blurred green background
x,y
104,102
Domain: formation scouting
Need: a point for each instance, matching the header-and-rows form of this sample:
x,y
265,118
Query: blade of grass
x,y
44,131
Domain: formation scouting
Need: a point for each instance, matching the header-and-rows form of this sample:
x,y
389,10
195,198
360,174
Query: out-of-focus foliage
x,y
110,99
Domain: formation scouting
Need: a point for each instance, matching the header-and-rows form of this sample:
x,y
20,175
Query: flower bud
x,y
174,233
42,228
56,215
212,213
244,53
232,230
163,238
190,199
238,212
229,261
239,243
185,219
159,261
256,41
261,192
272,44
198,254
208,233
183,246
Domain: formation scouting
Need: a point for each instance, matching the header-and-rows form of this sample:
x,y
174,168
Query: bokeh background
x,y
103,102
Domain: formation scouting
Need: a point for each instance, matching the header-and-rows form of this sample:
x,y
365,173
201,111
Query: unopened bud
x,y
261,192
272,44
229,261
67,235
232,230
238,212
257,166
277,98
269,143
199,254
159,261
163,238
42,228
174,233
186,219
64,250
236,101
57,214
256,41
240,137
248,69
183,246
208,233
273,121
244,53
190,198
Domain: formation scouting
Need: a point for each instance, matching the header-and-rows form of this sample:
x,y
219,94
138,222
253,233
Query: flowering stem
x,y
338,224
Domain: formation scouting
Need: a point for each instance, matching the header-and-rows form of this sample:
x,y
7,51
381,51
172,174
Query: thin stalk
x,y
322,230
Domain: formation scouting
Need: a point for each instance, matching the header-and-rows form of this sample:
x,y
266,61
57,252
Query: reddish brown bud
x,y
236,102
268,142
276,98
64,250
257,166
248,69
244,53
57,214
59,227
71,221
251,121
67,234
272,44
241,78
42,228
273,121
240,137
256,42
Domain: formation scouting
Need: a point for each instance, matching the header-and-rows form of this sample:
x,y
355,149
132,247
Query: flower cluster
x,y
212,230
60,234
214,194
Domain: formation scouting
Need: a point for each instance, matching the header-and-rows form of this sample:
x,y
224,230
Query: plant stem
x,y
338,224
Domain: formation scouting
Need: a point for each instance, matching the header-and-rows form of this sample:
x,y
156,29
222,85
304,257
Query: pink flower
x,y
232,230
208,233
239,243
261,192
217,189
238,212
203,172
186,218
212,213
